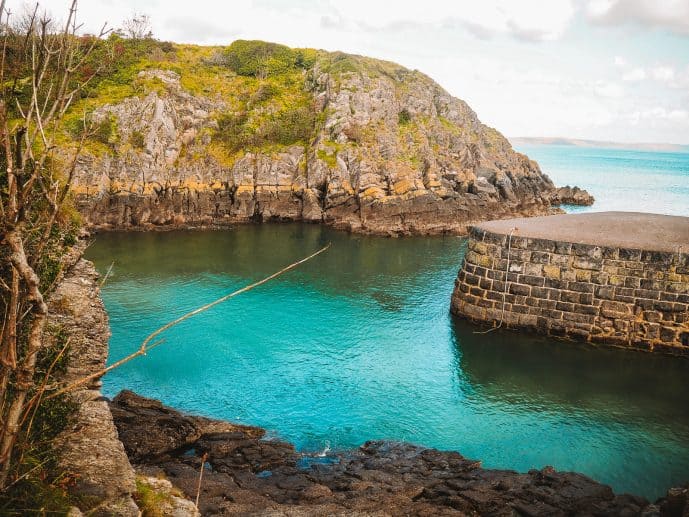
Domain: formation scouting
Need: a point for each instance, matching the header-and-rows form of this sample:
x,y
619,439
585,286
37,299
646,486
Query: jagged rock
x,y
247,474
676,502
168,502
393,154
159,431
571,196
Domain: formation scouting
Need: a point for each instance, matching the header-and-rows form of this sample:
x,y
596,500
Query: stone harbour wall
x,y
630,298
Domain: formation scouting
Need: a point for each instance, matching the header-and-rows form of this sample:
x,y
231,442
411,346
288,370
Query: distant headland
x,y
519,140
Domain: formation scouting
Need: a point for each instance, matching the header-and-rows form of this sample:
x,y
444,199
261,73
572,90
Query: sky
x,y
614,70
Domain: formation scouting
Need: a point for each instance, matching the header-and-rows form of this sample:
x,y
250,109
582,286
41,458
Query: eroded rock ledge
x,y
90,450
247,474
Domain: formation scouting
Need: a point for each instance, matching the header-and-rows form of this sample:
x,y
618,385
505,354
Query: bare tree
x,y
138,27
41,73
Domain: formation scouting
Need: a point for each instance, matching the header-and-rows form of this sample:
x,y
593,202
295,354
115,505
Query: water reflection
x,y
355,263
537,374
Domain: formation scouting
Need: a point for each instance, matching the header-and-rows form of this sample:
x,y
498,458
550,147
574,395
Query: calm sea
x,y
640,181
359,344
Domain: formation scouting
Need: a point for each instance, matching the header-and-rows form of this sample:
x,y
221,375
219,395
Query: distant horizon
x,y
592,142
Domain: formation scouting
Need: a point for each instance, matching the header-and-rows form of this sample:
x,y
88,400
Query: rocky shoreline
x,y
114,450
91,454
247,474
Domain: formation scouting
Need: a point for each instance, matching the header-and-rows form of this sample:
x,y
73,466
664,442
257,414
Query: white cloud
x,y
620,61
531,20
634,75
658,114
608,89
197,30
663,73
671,15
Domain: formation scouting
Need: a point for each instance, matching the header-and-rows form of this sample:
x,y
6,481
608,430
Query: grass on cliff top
x,y
261,88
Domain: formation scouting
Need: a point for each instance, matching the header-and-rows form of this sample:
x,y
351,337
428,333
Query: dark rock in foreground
x,y
247,474
571,196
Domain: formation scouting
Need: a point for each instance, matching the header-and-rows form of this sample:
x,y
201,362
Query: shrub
x,y
404,117
264,92
136,139
254,58
290,126
103,131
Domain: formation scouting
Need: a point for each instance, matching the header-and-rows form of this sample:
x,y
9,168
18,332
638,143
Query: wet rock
x,y
571,196
676,502
245,473
157,430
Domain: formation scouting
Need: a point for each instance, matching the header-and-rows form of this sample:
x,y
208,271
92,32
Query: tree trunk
x,y
8,354
24,379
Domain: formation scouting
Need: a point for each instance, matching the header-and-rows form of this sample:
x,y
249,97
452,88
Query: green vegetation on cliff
x,y
263,88
304,130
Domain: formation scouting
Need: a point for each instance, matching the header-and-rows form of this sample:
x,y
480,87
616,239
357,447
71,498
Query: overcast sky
x,y
599,69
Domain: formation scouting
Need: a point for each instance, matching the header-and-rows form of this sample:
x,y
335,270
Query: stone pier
x,y
612,278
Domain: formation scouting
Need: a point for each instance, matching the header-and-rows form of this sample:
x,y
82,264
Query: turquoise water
x,y
358,344
640,181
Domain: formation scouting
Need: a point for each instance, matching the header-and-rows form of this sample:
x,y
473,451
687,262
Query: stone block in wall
x,y
532,269
520,289
540,257
599,277
613,309
605,292
532,280
561,260
586,262
582,275
516,267
586,308
629,254
563,248
582,287
668,334
569,275
551,271
587,250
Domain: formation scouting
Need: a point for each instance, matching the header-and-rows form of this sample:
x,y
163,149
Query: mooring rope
x,y
504,293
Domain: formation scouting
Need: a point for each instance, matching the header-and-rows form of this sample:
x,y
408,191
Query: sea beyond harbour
x,y
620,180
359,344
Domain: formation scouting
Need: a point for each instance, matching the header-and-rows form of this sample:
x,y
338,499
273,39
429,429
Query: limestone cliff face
x,y
388,153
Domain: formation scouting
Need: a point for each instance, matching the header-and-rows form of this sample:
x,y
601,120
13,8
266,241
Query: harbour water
x,y
358,344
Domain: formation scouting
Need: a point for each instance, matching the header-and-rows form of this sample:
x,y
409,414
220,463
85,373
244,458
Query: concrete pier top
x,y
652,232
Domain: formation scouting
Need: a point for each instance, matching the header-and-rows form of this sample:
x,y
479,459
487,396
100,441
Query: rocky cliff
x,y
91,455
258,131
